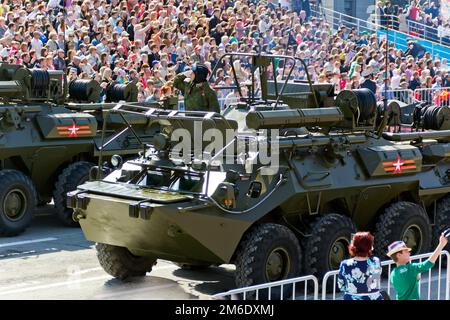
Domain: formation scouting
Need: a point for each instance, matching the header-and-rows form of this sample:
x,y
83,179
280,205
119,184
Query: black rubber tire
x,y
394,221
71,177
442,221
253,252
121,263
10,180
325,231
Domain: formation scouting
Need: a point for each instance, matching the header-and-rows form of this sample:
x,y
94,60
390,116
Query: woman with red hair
x,y
359,277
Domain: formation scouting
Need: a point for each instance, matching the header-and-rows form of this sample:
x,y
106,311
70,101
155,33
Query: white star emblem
x,y
398,165
73,130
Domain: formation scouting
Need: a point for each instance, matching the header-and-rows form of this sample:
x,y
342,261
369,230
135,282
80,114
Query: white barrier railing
x,y
418,29
336,19
389,264
254,291
435,96
403,95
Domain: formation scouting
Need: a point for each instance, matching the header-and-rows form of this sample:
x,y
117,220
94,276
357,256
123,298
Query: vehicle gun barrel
x,y
294,118
407,136
308,141
20,109
11,89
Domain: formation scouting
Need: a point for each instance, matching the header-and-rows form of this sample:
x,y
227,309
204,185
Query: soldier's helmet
x,y
201,72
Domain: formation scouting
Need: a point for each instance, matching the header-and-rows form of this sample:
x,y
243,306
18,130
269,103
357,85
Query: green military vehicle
x,y
334,170
48,144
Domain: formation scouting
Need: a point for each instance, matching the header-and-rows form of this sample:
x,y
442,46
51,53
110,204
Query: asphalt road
x,y
49,261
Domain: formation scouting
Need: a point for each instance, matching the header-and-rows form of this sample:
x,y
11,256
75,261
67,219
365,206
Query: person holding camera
x,y
405,277
359,277
198,95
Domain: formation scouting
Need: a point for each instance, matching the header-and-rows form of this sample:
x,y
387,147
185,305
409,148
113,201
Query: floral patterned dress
x,y
360,280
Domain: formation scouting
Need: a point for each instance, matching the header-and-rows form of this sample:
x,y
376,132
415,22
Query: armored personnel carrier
x,y
48,144
273,188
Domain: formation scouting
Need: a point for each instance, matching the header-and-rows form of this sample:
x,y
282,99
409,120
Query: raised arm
x,y
178,82
442,243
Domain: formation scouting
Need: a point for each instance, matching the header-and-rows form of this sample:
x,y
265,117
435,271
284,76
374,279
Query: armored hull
x,y
50,138
280,198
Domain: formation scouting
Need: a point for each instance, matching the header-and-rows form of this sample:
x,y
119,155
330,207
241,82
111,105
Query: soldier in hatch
x,y
198,95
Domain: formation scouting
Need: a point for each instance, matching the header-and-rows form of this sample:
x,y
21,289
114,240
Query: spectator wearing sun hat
x,y
405,277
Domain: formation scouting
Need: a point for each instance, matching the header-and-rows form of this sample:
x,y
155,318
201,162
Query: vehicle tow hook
x,y
78,215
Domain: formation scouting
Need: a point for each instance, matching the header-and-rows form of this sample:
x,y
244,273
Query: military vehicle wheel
x,y
405,221
442,220
268,252
75,174
121,263
328,244
18,199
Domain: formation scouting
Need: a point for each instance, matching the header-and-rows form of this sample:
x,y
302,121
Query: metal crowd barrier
x,y
276,290
300,287
434,96
403,95
388,288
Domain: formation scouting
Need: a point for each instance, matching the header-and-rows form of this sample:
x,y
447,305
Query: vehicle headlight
x,y
116,161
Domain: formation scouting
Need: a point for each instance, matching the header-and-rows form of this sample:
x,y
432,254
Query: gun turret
x,y
408,136
355,110
294,118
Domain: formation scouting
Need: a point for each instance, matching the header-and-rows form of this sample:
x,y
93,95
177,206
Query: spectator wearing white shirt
x,y
93,57
52,4
396,78
103,46
61,42
114,18
437,84
51,44
265,24
86,67
140,32
329,66
36,43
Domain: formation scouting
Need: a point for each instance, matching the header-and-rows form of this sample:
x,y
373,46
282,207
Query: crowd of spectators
x,y
425,20
149,42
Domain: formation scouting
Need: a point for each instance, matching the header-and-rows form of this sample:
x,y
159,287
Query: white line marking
x,y
68,283
53,285
26,242
100,268
18,285
124,292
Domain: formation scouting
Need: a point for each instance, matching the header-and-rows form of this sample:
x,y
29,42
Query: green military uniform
x,y
197,98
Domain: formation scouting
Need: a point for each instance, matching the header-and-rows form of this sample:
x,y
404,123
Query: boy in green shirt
x,y
405,277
